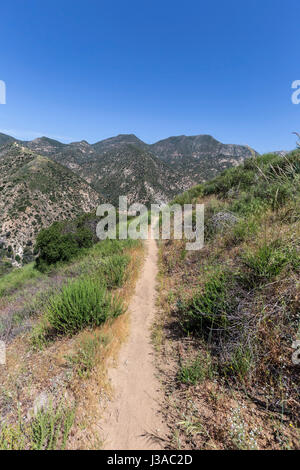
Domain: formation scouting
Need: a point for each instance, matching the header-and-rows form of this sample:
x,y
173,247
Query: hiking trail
x,y
132,419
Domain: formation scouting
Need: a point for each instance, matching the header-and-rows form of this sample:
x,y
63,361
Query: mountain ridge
x,y
198,157
35,192
44,180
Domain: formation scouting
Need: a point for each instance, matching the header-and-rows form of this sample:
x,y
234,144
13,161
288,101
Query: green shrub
x,y
242,230
54,246
276,194
113,269
81,303
208,310
196,370
63,240
48,430
84,237
267,262
268,180
188,197
229,179
247,205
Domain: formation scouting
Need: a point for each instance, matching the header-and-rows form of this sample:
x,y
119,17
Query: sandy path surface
x,y
132,418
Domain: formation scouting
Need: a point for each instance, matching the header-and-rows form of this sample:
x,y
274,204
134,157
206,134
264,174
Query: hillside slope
x,y
187,159
35,191
229,313
134,173
201,157
6,139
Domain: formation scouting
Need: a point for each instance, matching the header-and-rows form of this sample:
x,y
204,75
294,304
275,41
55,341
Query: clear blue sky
x,y
92,69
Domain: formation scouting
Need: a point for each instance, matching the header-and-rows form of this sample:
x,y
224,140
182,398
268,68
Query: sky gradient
x,y
90,70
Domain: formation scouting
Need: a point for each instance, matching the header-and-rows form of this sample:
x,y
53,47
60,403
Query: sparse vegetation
x,y
84,359
17,278
238,302
208,310
196,370
47,430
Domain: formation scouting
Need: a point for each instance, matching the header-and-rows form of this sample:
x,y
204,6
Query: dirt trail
x,y
132,418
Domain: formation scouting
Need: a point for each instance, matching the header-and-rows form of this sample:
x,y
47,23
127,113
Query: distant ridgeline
x,y
43,181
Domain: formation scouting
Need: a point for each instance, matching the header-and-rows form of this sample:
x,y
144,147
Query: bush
x,y
267,262
229,179
114,269
243,230
54,246
61,242
188,197
81,303
208,310
268,180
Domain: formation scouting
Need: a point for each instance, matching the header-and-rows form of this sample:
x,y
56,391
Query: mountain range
x,y
35,192
45,180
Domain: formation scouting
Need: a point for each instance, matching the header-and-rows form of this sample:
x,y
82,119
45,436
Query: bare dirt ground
x,y
132,419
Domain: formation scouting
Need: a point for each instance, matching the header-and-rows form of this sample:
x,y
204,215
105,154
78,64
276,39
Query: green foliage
x,y
266,181
242,230
81,303
113,268
208,310
39,334
17,278
229,179
246,204
49,429
54,246
196,370
241,364
61,242
188,197
267,262
12,436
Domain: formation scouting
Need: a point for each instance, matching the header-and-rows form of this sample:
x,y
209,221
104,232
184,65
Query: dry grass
x,y
261,410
